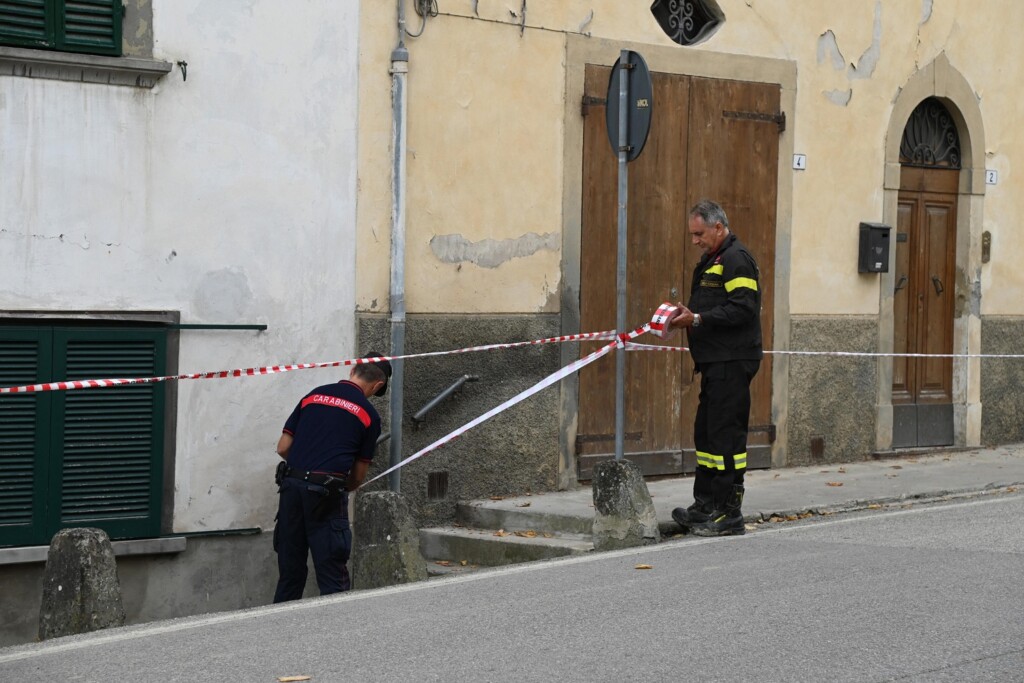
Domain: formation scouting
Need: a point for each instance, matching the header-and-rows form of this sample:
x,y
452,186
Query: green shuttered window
x,y
89,26
86,457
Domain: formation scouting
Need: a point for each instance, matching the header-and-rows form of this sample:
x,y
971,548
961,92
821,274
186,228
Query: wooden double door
x,y
710,138
922,391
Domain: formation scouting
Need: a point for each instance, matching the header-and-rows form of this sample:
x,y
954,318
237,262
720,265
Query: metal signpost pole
x,y
620,270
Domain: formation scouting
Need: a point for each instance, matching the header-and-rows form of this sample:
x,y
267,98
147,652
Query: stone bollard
x,y
81,591
624,514
386,543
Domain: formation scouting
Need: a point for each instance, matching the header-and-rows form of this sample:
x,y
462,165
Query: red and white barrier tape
x,y
633,346
274,369
659,326
554,377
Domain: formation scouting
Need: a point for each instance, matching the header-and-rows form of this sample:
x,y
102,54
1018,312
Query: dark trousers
x,y
720,429
300,531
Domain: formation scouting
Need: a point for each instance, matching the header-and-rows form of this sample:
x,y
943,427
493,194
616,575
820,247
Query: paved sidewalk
x,y
817,489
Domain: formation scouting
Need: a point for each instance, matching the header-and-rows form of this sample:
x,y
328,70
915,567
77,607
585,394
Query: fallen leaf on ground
x,y
947,458
644,566
500,532
833,483
750,527
842,470
806,515
791,518
527,534
1011,489
497,497
291,679
444,563
774,519
874,506
463,562
523,505
897,467
548,535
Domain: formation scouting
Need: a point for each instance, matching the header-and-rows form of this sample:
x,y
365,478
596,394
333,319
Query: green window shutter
x,y
108,443
92,26
28,23
24,437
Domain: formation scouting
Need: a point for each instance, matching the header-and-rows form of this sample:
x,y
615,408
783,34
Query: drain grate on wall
x,y
437,485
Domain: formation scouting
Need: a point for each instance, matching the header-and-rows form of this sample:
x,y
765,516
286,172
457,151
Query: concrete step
x,y
508,515
490,548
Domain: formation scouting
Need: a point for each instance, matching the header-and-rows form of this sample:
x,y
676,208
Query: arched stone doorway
x,y
922,387
946,200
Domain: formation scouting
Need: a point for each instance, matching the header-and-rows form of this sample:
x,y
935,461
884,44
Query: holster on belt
x,y
280,472
332,492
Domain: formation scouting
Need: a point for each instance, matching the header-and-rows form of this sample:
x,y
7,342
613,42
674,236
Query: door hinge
x,y
589,101
778,119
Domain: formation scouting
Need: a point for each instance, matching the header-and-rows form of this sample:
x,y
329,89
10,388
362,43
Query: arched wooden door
x,y
922,391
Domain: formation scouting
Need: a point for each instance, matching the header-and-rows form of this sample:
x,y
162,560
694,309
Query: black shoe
x,y
698,513
725,522
722,523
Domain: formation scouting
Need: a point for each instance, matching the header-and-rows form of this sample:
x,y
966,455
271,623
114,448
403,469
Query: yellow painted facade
x,y
487,136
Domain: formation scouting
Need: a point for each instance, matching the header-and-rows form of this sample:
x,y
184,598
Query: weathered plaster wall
x,y
832,397
514,452
1001,380
229,196
483,78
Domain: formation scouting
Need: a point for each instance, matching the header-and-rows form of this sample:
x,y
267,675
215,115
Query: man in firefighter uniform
x,y
326,445
723,326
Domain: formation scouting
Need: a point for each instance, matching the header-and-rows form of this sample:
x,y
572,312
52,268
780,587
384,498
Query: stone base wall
x,y
832,397
1002,399
212,574
513,453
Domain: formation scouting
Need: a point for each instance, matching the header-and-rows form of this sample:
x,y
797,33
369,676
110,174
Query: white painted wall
x,y
229,196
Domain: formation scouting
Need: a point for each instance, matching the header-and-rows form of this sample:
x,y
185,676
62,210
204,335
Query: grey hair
x,y
710,212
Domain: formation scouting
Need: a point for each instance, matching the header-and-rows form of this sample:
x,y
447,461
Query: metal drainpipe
x,y
399,75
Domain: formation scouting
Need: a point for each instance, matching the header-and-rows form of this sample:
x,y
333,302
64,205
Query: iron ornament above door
x,y
688,22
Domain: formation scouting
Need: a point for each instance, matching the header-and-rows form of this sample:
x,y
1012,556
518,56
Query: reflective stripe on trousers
x,y
722,462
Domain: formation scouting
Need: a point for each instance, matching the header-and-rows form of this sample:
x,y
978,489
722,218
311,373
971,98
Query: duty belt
x,y
319,478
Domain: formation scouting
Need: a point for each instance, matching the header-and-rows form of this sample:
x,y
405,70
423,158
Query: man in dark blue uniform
x,y
327,445
723,324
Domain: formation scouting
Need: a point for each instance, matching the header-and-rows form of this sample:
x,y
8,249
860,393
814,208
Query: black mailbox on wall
x,y
873,256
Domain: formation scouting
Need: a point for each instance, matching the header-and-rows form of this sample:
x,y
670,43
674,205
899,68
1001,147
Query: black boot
x,y
725,522
698,513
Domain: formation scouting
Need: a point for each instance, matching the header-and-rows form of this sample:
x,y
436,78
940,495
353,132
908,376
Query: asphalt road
x,y
930,593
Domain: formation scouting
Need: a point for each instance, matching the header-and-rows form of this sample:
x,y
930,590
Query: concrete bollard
x,y
624,514
386,542
81,591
